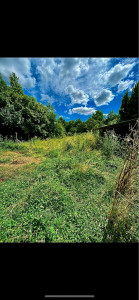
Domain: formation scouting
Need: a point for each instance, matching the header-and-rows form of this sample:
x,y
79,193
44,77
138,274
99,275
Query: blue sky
x,y
75,86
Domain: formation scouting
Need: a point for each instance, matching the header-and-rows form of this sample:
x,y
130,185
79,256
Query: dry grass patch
x,y
11,162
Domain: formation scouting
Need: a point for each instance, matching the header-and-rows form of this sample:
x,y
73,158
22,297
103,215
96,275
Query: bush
x,y
113,144
109,144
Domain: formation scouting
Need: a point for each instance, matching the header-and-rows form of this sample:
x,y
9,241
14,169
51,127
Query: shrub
x,y
113,144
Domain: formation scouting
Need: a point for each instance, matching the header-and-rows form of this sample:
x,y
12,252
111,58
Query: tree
x,y
81,127
112,118
16,87
70,127
63,122
10,120
3,92
60,129
129,105
96,120
124,109
98,116
23,114
90,123
133,101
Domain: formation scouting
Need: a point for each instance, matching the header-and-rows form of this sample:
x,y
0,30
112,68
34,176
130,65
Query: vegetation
x,y
23,117
129,105
23,114
58,190
123,217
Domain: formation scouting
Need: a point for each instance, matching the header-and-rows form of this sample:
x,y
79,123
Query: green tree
x,y
16,87
98,116
96,120
81,127
60,129
112,118
124,109
129,105
3,92
23,114
63,122
10,120
70,127
133,101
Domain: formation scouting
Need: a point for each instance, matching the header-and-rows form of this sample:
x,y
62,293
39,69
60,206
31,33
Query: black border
x,y
109,271
103,29
31,271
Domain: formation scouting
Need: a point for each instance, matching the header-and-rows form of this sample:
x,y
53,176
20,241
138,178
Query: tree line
x,y
24,116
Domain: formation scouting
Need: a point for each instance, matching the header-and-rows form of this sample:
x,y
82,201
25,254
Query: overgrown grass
x,y
56,190
123,217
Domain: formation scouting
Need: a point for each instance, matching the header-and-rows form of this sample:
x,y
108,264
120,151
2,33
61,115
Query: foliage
x,y
124,109
112,118
23,114
60,128
96,120
129,105
113,144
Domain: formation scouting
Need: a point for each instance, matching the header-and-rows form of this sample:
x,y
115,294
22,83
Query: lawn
x,y
56,190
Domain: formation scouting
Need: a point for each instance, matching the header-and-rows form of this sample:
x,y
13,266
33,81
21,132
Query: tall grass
x,y
122,218
84,141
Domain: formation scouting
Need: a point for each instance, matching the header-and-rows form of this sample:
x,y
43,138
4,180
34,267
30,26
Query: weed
x,y
122,220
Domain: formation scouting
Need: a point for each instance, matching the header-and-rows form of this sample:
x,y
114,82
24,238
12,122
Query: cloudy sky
x,y
75,87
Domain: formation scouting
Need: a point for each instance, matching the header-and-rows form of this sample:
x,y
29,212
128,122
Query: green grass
x,y
56,190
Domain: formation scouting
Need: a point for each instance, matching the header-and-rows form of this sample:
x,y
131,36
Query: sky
x,y
75,86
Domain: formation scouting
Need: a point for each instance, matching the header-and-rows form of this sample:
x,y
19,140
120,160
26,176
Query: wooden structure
x,y
121,128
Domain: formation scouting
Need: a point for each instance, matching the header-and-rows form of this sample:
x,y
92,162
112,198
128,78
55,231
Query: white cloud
x,y
81,78
82,110
46,68
46,98
27,82
87,77
77,96
72,67
118,72
58,73
124,85
131,75
69,66
103,97
21,67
